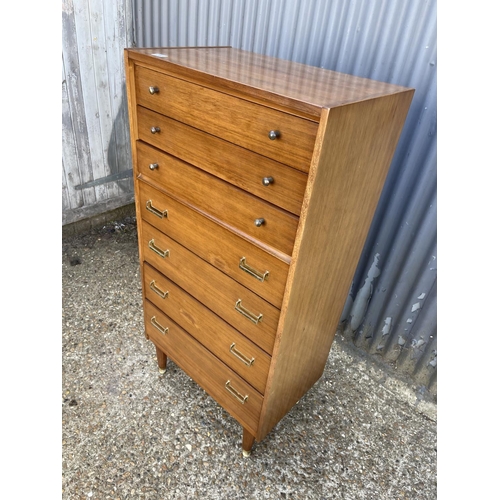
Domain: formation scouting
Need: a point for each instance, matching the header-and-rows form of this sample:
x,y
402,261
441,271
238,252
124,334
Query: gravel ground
x,y
130,433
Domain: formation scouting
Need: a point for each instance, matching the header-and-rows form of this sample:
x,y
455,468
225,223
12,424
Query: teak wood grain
x,y
214,108
236,120
204,368
211,287
223,201
275,82
234,164
353,158
214,243
230,346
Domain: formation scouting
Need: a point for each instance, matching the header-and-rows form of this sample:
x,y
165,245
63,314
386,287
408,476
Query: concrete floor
x,y
130,433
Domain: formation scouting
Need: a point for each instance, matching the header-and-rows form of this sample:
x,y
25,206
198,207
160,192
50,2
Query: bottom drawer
x,y
237,397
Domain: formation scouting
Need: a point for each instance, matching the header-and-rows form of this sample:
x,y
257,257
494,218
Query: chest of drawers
x,y
256,180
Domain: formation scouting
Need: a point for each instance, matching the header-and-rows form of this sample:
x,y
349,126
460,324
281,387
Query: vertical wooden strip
x,y
132,109
79,171
117,32
84,49
70,173
97,43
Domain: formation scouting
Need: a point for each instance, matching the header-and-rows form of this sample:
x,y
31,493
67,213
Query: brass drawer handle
x,y
154,90
156,211
159,292
274,134
250,270
162,329
241,357
155,130
159,251
242,399
252,317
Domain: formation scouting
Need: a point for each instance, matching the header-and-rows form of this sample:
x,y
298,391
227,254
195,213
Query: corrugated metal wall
x,y
96,162
391,310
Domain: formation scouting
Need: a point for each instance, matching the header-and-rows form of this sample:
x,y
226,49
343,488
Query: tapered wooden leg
x,y
162,360
248,440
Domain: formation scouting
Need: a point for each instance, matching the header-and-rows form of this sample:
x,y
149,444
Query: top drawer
x,y
239,121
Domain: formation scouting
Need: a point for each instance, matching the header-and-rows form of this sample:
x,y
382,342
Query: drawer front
x,y
268,179
236,120
251,315
240,399
219,199
235,350
266,275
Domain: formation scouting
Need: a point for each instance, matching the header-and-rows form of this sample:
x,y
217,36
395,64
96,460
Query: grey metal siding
x,y
97,174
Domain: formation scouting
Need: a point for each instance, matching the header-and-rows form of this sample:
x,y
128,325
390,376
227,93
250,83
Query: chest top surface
x,y
309,88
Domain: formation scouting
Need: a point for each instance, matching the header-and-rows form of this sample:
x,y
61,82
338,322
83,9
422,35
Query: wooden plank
x,y
83,46
346,178
70,173
100,96
81,171
87,211
65,196
117,19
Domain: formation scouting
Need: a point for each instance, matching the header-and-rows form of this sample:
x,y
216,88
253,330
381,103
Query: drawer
x,y
235,395
222,248
235,350
250,314
217,198
234,164
236,120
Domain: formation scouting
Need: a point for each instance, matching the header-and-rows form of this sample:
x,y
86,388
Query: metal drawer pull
x,y
154,90
259,222
241,357
252,317
159,251
155,130
155,289
250,270
267,180
156,211
242,399
162,330
153,166
273,134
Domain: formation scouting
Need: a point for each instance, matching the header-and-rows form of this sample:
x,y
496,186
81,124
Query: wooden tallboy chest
x,y
256,180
